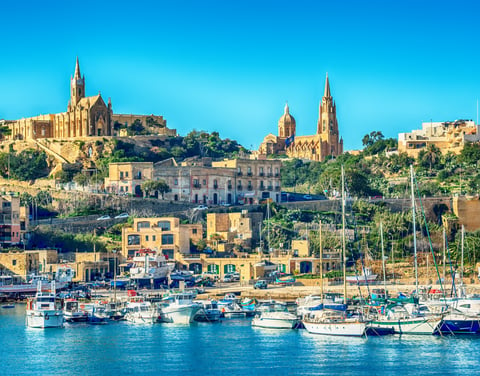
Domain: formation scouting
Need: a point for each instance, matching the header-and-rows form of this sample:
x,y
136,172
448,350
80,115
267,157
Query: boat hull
x,y
178,315
44,319
274,323
343,329
141,317
420,325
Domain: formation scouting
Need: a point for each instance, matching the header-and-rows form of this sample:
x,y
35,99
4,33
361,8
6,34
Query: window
x,y
168,253
14,262
167,239
175,182
126,174
194,231
141,225
121,174
146,238
164,225
133,240
204,182
154,238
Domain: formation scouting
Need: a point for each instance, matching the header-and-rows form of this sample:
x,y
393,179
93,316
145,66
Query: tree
x,y
151,186
430,156
5,131
80,179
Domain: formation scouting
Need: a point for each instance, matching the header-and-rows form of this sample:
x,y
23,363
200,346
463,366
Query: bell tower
x,y
327,125
77,86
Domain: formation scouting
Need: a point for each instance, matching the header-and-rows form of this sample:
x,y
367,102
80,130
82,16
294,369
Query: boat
x,y
7,306
72,311
139,311
10,285
208,312
233,310
285,281
156,271
275,319
44,310
335,321
178,308
367,277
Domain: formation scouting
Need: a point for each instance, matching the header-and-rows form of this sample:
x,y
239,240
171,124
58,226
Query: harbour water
x,y
231,347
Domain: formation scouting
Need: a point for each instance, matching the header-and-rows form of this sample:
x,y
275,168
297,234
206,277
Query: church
x,y
85,117
318,147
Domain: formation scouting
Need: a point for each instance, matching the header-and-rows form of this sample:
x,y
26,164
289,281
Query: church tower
x,y
327,125
77,86
286,124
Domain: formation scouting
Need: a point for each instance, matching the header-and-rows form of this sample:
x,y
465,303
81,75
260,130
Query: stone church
x,y
318,147
85,117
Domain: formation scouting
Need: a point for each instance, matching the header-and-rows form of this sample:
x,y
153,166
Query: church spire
x,y
287,110
327,88
77,70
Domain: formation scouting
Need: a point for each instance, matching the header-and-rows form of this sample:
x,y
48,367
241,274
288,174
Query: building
x,y
325,143
19,263
241,228
85,117
448,136
14,220
165,234
235,181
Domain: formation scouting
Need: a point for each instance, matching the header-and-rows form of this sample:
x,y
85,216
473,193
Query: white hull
x,y
182,314
345,328
419,325
44,319
141,317
275,320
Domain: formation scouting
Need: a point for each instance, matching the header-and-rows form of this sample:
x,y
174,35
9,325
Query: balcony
x,y
239,173
239,187
269,174
196,185
215,186
262,187
277,188
270,188
249,188
277,174
249,173
229,186
261,174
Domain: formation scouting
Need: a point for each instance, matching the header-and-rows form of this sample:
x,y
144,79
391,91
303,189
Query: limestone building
x,y
325,143
85,117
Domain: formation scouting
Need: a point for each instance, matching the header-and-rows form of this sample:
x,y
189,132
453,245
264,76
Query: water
x,y
231,347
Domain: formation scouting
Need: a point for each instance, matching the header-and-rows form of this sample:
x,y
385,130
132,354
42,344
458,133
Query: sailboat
x,y
407,318
335,321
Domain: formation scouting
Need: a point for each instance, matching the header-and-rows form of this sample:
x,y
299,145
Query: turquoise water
x,y
231,347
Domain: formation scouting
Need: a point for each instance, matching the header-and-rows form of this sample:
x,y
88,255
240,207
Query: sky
x,y
230,66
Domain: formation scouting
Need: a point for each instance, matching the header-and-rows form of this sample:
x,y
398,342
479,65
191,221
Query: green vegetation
x,y
44,237
27,165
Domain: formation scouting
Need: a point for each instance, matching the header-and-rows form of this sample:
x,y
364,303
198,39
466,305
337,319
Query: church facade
x,y
318,147
85,117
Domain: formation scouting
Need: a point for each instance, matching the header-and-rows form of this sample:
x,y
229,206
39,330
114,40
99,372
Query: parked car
x,y
122,216
307,197
260,284
104,218
200,207
228,278
236,276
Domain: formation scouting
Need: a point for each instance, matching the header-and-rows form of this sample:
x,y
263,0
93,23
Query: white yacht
x,y
178,308
72,311
44,310
149,265
334,323
139,311
275,320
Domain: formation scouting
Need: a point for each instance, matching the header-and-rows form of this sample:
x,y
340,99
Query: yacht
x,y
44,310
334,322
139,311
178,308
72,311
276,319
149,265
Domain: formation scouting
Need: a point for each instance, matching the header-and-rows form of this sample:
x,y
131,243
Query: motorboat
x,y
72,311
334,322
275,320
149,267
208,312
139,311
367,277
233,310
178,308
44,310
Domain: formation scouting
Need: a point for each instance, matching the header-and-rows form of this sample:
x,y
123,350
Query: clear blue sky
x,y
229,66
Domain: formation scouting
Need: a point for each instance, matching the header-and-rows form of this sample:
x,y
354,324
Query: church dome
x,y
286,124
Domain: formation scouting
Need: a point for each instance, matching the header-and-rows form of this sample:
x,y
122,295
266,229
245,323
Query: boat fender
x,y
46,316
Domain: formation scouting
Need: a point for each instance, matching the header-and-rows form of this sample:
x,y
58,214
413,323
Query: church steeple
x,y
77,86
327,88
286,124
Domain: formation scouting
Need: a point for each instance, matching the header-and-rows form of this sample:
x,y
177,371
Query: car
x,y
200,207
260,284
228,278
236,276
104,218
307,197
226,204
122,216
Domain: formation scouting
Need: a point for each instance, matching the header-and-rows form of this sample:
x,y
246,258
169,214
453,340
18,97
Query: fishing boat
x,y
72,311
139,311
208,312
44,310
178,308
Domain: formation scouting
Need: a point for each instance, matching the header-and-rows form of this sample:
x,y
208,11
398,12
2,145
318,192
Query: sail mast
x,y
461,265
414,230
344,252
383,260
321,258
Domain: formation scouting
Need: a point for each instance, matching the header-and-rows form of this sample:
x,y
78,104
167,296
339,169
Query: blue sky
x,y
229,66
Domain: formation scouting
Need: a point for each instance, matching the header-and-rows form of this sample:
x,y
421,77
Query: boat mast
x,y
414,231
383,260
344,252
444,258
321,258
461,265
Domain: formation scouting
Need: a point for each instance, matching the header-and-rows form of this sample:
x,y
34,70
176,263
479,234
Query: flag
x,y
289,140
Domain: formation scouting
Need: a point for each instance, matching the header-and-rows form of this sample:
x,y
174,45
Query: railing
x,y
229,186
196,185
262,187
249,173
270,188
239,187
239,173
277,188
215,186
249,188
261,174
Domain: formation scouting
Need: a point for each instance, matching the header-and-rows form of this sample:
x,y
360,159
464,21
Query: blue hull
x,y
459,327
